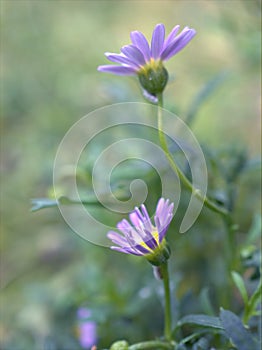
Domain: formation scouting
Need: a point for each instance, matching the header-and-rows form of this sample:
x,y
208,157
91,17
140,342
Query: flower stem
x,y
165,277
207,202
152,344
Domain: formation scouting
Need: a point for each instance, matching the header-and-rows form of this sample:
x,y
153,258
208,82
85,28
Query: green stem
x,y
230,243
165,277
230,250
207,202
153,344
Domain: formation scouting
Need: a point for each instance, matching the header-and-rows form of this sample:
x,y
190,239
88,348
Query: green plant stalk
x,y
163,143
152,344
230,250
168,321
231,243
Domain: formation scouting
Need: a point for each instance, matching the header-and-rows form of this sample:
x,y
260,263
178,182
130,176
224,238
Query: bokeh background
x,y
50,51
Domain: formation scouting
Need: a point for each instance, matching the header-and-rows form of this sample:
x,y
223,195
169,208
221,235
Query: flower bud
x,y
119,345
153,78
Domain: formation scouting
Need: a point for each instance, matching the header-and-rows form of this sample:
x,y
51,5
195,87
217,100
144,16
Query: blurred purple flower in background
x,y
141,237
139,56
87,328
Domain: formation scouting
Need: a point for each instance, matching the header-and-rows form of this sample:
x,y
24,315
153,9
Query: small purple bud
x,y
157,272
149,97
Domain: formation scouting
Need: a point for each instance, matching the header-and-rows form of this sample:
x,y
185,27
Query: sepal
x,y
160,255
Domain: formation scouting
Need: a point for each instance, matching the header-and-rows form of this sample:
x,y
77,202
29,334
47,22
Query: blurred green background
x,y
49,54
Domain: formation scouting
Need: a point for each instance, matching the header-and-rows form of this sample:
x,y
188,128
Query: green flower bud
x,y
153,78
119,345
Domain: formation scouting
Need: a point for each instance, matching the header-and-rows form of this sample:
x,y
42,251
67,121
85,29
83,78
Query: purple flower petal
x,y
142,249
126,250
134,54
138,213
171,36
162,233
164,211
162,227
120,58
157,42
139,40
117,239
136,247
146,221
143,226
125,227
178,43
158,226
134,218
118,70
151,242
133,236
163,217
160,206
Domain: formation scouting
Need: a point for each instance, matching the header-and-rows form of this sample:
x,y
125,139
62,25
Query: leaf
x,y
42,203
205,302
201,320
238,280
250,309
256,297
203,94
255,230
192,336
236,331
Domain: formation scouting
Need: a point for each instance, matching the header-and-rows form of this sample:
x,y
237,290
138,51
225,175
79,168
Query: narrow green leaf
x,y
192,336
238,280
206,303
42,203
203,94
255,230
236,331
256,297
201,320
250,309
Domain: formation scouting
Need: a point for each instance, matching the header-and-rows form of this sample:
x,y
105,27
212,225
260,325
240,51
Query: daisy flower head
x,y
139,236
146,61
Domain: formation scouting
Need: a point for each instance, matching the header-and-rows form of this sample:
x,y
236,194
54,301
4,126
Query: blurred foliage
x,y
49,54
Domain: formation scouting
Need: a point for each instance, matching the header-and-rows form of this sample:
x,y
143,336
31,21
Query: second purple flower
x,y
141,237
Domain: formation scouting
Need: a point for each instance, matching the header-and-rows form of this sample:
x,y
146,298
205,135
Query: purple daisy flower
x,y
147,62
139,56
143,238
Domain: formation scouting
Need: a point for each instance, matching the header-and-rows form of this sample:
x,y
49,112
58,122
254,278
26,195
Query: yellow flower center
x,y
156,237
152,64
